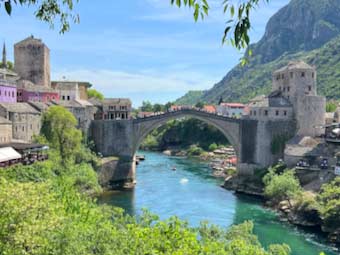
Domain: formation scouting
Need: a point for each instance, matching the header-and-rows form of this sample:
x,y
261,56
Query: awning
x,y
336,131
8,153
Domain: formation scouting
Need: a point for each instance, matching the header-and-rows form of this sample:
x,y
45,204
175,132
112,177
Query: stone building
x,y
8,92
32,61
5,130
297,82
71,90
26,121
114,109
294,96
27,91
233,110
272,107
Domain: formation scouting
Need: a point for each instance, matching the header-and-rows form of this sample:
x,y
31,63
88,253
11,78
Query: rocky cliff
x,y
304,29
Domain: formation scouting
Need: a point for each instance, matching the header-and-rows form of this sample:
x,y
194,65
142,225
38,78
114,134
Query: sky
x,y
141,49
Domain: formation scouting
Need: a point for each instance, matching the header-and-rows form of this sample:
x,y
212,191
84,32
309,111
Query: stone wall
x,y
5,132
267,131
310,115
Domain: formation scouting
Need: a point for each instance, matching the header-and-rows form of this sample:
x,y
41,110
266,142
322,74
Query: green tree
x,y
213,147
238,16
158,108
59,128
329,200
200,105
50,11
168,105
92,93
146,106
331,106
279,187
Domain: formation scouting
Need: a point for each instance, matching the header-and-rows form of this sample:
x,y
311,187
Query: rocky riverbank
x,y
222,160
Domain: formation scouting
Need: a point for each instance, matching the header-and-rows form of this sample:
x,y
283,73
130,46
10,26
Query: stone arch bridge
x,y
251,139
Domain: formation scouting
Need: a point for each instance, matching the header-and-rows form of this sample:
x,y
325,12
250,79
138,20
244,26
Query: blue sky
x,y
142,49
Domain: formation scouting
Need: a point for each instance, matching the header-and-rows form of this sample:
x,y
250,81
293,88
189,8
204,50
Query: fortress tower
x,y
32,61
297,83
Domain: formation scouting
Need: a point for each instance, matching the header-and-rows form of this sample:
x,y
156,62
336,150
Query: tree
x,y
220,101
92,93
158,108
329,200
279,187
238,24
50,11
331,106
168,105
146,106
200,105
59,128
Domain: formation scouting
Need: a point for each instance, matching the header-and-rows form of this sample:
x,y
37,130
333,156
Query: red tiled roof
x,y
210,108
233,105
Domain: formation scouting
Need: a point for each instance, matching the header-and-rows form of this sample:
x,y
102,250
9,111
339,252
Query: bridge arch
x,y
229,127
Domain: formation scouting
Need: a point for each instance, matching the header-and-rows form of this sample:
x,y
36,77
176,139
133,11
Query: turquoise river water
x,y
194,195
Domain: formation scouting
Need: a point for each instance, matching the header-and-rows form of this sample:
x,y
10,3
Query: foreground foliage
x,y
53,218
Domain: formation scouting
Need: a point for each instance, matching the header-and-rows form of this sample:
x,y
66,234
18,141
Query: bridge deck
x,y
187,112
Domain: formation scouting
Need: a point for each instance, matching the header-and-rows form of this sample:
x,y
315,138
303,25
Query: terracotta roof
x,y
19,107
233,105
294,65
209,108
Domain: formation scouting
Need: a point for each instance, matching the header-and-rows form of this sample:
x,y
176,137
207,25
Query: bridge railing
x,y
185,111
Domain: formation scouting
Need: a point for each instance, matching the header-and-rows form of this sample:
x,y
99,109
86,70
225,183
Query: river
x,y
194,195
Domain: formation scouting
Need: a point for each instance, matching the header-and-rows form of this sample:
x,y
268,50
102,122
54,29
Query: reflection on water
x,y
194,195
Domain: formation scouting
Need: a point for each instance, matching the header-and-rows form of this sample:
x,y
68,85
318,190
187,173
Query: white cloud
x,y
144,81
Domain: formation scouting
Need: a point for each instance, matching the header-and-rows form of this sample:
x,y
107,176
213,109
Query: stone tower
x,y
297,82
32,61
4,59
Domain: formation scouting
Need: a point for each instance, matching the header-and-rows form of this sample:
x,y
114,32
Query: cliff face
x,y
304,29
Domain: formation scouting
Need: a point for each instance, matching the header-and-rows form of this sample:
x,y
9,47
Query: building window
x,y
288,89
303,74
68,98
291,74
280,88
251,113
312,74
278,77
309,88
266,112
277,113
283,76
284,89
31,126
23,129
254,113
63,97
12,93
285,113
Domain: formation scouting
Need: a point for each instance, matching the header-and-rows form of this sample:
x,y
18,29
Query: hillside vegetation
x,y
304,29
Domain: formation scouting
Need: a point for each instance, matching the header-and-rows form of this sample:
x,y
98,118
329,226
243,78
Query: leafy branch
x,y
238,25
50,11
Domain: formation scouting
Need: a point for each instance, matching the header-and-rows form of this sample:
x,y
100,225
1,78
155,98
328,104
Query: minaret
x,y
4,60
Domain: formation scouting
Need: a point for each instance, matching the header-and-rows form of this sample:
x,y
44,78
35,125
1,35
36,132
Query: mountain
x,y
190,98
303,29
